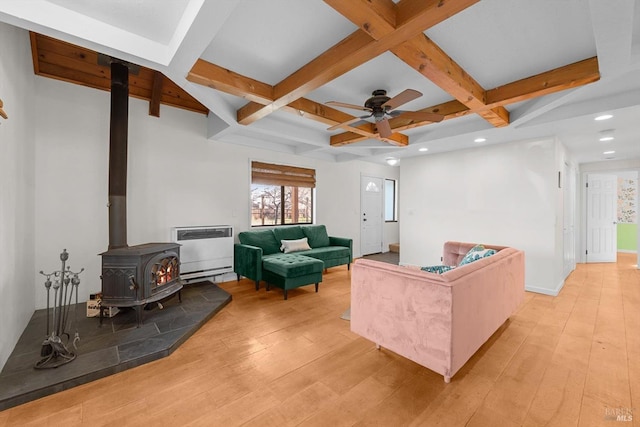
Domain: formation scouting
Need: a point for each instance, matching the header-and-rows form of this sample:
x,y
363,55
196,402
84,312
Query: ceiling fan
x,y
380,107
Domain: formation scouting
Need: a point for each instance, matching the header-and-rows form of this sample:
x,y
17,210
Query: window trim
x,y
395,200
282,176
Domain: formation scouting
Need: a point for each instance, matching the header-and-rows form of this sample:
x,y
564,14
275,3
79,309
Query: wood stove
x,y
132,276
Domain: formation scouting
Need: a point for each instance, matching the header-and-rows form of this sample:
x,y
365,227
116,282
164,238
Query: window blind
x,y
270,174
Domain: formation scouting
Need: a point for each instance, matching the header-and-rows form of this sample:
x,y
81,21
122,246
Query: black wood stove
x,y
132,276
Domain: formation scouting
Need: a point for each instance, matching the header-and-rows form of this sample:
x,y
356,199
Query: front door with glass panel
x,y
371,223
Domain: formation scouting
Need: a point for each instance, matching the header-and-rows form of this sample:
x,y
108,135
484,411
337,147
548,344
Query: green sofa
x,y
289,270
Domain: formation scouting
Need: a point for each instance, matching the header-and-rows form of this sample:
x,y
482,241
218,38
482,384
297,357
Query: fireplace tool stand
x,y
65,282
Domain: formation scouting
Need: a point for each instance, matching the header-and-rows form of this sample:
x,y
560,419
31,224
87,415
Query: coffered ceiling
x,y
501,70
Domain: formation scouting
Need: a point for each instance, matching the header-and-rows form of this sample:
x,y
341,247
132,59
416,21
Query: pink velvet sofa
x,y
437,320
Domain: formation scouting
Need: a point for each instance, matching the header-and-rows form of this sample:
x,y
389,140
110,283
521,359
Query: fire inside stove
x,y
165,271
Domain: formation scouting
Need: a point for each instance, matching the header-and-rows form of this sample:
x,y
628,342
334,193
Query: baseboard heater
x,y
206,251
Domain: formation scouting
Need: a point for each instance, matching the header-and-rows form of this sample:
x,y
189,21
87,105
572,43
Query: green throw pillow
x,y
317,235
438,269
475,253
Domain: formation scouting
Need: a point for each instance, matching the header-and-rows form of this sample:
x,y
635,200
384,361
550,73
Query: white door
x,y
602,199
371,210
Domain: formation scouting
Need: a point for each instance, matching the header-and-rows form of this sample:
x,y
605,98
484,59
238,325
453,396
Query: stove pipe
x,y
118,155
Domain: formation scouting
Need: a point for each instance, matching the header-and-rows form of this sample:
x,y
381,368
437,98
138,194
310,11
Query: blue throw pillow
x,y
438,269
475,253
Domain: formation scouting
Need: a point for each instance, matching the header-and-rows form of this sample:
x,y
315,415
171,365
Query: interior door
x,y
371,210
602,238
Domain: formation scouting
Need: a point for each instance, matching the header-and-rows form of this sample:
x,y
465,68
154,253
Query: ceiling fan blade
x,y
348,122
384,128
345,105
421,116
401,98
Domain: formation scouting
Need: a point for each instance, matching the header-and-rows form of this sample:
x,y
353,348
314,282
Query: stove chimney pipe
x,y
119,126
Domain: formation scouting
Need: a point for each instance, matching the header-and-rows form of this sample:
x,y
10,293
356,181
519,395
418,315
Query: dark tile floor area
x,y
104,350
388,257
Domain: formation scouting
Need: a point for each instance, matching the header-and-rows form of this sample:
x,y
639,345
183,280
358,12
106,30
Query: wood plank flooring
x,y
570,360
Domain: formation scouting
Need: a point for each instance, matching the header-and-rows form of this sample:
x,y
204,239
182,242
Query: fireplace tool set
x,y
65,282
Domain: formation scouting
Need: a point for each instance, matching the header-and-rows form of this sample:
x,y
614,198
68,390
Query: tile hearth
x,y
104,350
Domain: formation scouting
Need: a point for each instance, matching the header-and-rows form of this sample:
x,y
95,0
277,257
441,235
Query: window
x,y
281,194
390,202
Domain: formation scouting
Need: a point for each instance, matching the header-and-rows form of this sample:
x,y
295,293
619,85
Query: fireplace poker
x,y
46,348
64,256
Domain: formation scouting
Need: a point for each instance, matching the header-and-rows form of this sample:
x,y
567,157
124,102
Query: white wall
x,y
176,177
502,194
16,187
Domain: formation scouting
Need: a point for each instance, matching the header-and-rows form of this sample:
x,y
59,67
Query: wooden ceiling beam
x,y
426,57
375,17
75,64
366,131
211,75
156,95
34,52
57,72
318,112
450,110
354,50
569,76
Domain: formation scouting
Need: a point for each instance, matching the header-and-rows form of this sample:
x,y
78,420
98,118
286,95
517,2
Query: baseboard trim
x,y
627,251
545,291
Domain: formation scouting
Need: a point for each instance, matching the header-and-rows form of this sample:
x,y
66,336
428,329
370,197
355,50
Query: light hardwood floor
x,y
570,360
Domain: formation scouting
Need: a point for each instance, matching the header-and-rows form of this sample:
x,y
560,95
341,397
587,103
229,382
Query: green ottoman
x,y
290,271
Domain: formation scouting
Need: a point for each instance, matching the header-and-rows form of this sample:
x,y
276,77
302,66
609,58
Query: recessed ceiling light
x,y
606,135
423,149
604,117
609,152
480,139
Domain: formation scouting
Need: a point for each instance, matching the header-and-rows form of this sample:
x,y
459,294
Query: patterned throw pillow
x,y
475,253
438,269
289,246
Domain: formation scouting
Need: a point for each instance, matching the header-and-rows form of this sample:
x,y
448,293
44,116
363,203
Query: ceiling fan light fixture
x,y
392,161
381,107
